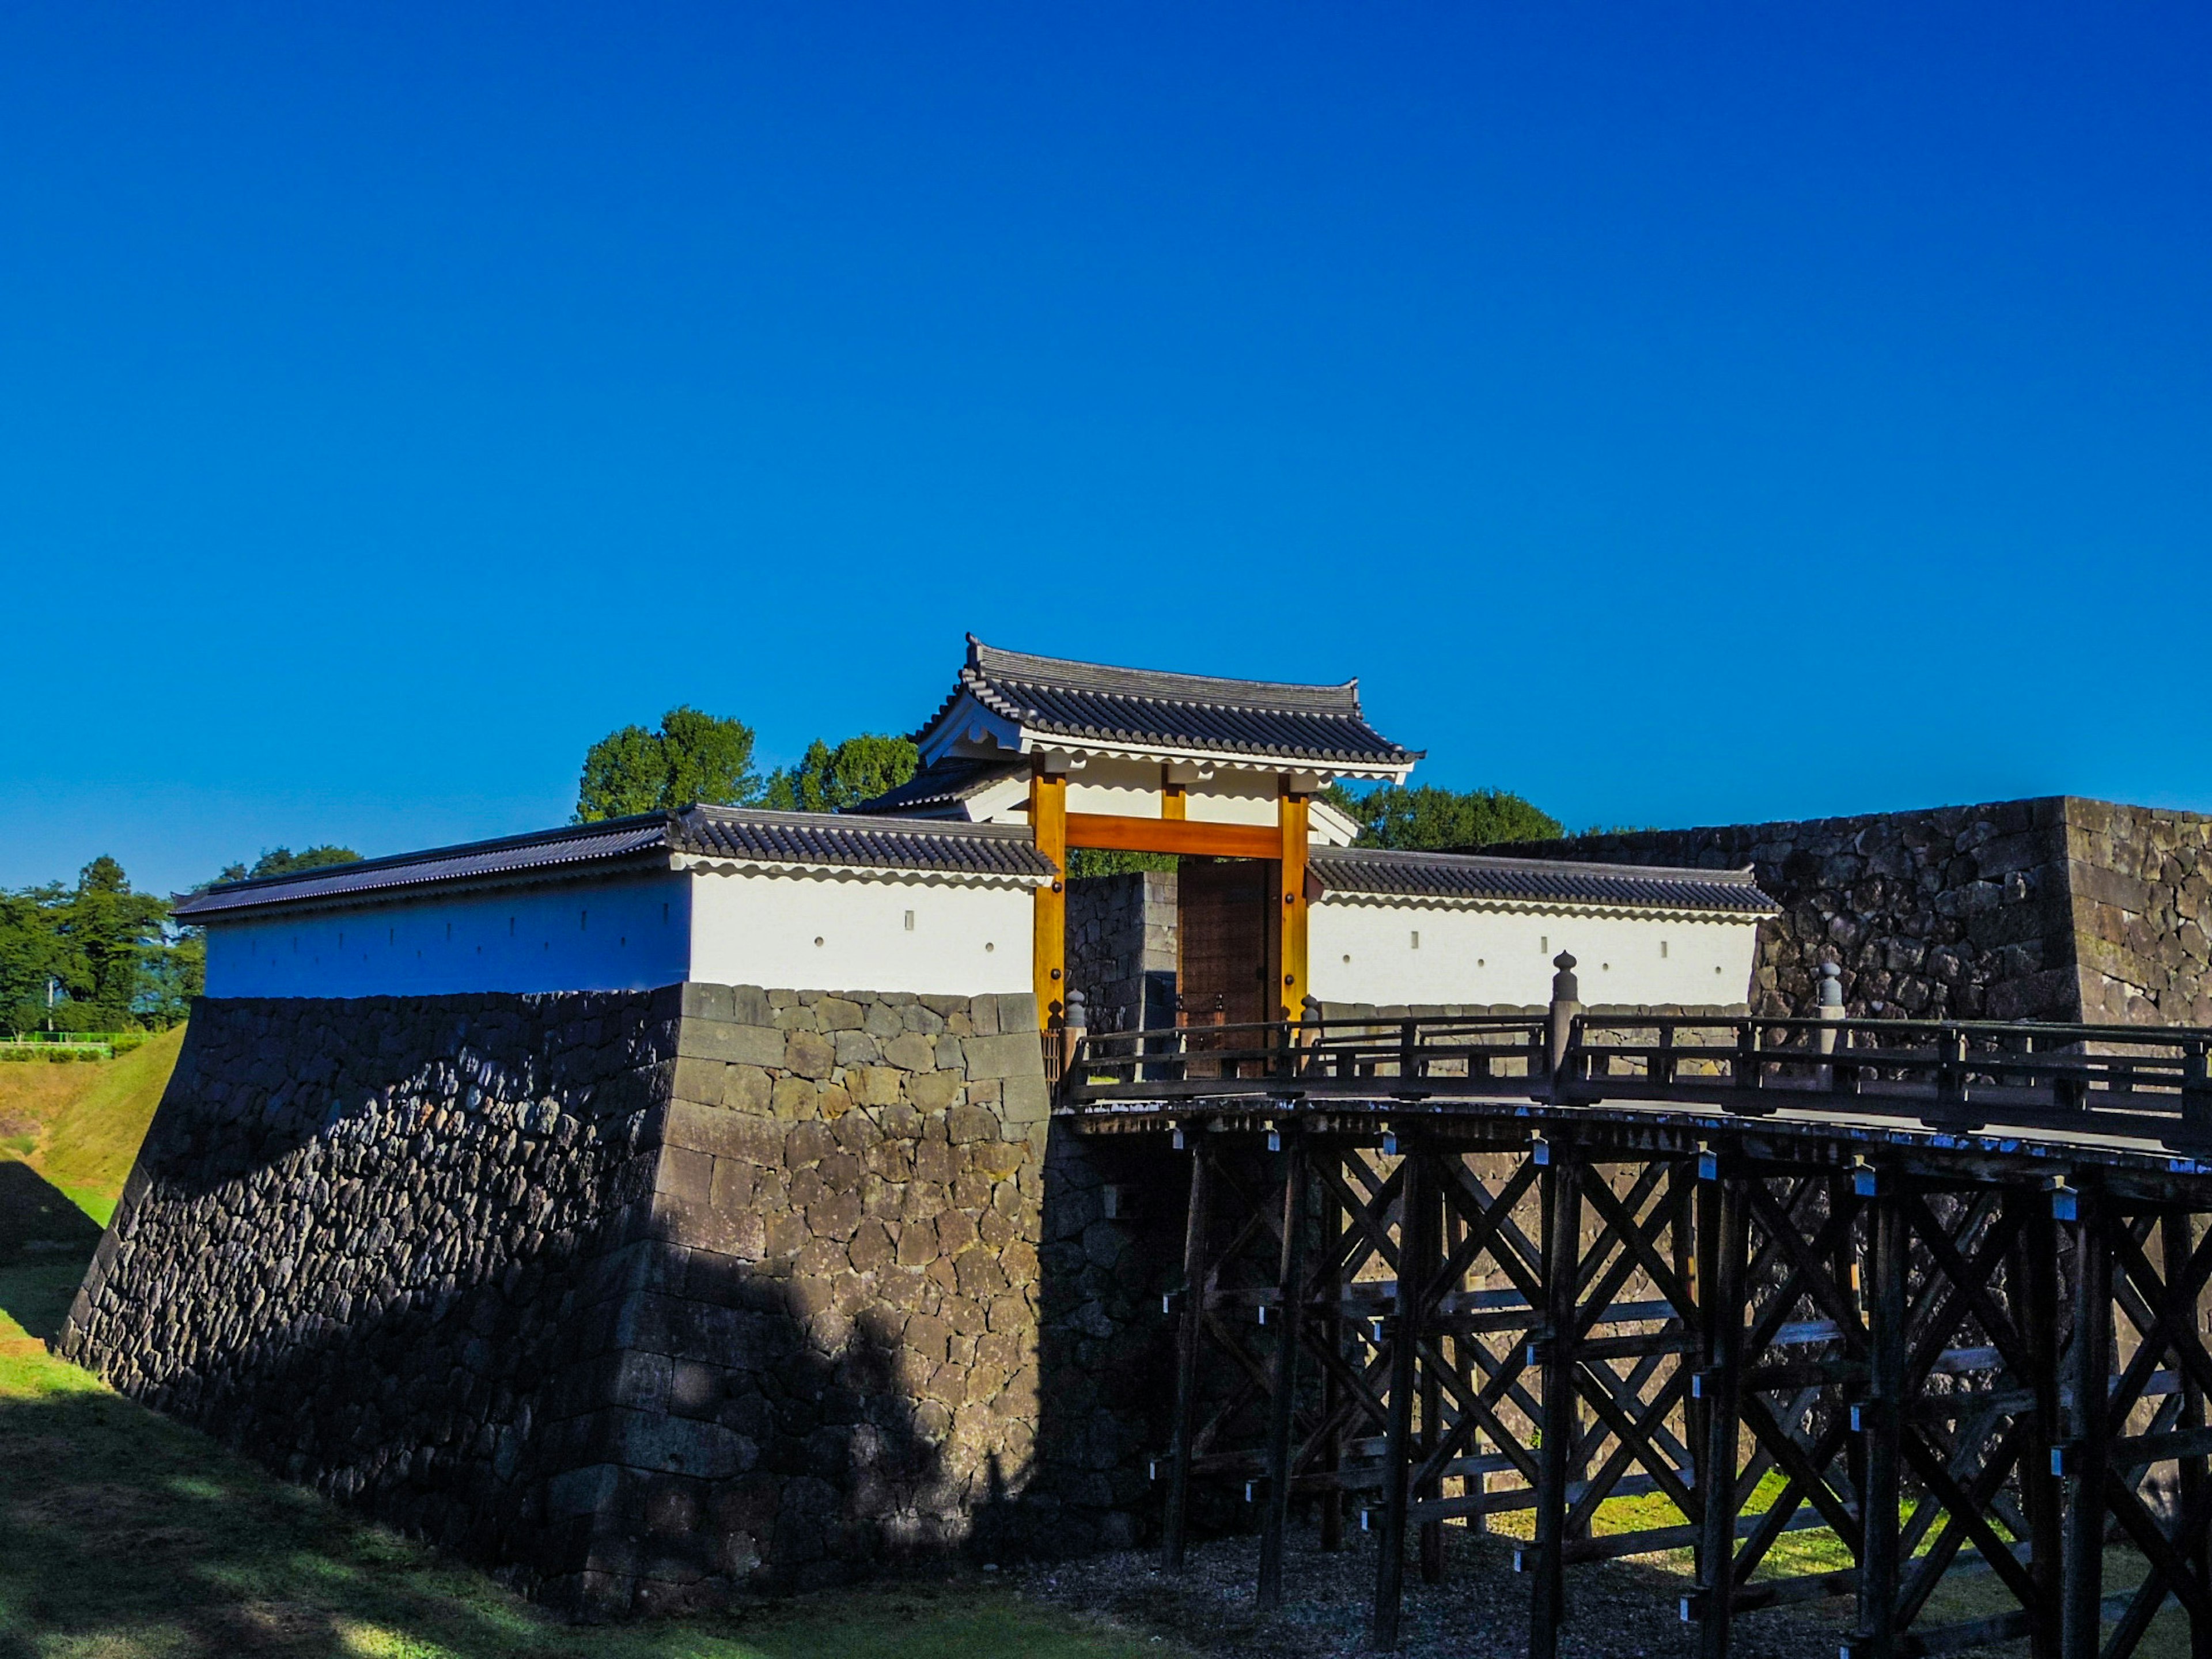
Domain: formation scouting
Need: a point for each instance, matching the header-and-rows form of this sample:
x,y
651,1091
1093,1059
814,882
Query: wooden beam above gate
x,y
1189,836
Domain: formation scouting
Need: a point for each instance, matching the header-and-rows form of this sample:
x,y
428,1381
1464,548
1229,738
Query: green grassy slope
x,y
79,1125
124,1536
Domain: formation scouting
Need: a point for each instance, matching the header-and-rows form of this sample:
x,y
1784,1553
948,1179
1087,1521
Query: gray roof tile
x,y
738,834
1314,724
1390,873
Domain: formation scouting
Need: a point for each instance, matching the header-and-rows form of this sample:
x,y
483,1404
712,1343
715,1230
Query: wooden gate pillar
x,y
1049,948
1292,986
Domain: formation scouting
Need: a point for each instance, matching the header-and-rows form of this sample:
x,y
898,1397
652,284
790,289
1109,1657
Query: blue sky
x,y
1674,413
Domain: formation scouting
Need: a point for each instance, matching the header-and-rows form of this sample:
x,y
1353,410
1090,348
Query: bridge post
x,y
1721,1386
2089,1367
1880,1418
1398,1440
1189,1334
1555,1462
2177,1227
2035,1316
1283,1402
1566,1005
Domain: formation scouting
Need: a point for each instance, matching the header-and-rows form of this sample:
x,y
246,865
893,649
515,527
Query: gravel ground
x,y
1481,1610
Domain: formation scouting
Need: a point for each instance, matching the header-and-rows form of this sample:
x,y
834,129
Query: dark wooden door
x,y
1223,974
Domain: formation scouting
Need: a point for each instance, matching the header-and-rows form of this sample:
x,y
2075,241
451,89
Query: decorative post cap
x,y
1832,987
1565,987
1077,1015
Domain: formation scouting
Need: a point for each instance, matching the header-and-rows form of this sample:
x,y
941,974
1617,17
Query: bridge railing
x,y
2131,1080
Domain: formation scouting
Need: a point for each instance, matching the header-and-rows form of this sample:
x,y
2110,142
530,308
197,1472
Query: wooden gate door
x,y
1223,942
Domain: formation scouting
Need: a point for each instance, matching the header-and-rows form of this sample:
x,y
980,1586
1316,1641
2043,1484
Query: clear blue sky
x,y
1675,414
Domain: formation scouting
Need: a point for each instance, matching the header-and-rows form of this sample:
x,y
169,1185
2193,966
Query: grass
x,y
124,1536
79,1125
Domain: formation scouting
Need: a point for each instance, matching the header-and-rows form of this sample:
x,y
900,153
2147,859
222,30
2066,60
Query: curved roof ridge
x,y
992,662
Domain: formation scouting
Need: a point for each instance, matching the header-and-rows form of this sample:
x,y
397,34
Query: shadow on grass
x,y
123,1534
45,1240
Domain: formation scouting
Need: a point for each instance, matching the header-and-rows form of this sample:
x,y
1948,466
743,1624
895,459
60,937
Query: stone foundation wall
x,y
2061,908
364,1240
644,1299
1960,912
2140,882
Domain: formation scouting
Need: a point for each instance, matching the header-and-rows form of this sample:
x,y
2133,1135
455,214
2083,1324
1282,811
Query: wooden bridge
x,y
1934,1288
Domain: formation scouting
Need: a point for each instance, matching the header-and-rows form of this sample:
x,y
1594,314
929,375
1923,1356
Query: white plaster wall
x,y
1129,789
1233,798
1488,956
623,935
830,931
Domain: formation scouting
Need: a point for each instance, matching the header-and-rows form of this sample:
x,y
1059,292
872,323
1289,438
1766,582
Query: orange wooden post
x,y
1291,949
1049,819
1171,796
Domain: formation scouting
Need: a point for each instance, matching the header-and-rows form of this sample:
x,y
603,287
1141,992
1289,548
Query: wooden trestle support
x,y
1962,1367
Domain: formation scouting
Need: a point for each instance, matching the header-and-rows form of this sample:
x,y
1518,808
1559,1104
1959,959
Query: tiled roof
x,y
941,786
821,838
1386,872
1315,724
618,839
738,834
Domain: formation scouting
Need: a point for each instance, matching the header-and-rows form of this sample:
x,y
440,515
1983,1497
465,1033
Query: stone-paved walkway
x,y
1478,1612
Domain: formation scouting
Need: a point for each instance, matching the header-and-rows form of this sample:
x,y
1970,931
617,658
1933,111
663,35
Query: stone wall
x,y
2140,881
1120,929
644,1299
363,1240
2059,909
1961,911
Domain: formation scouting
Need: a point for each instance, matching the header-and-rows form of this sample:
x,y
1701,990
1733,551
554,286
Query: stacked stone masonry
x,y
2058,908
646,1298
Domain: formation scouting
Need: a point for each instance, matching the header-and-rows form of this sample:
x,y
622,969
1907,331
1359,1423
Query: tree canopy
x,y
1430,819
283,861
99,947
692,757
826,779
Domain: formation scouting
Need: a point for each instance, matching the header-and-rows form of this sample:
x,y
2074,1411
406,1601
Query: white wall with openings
x,y
1381,951
873,930
622,935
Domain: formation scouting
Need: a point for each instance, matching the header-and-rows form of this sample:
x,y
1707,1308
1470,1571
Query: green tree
x,y
1430,819
826,779
283,861
31,953
108,931
692,757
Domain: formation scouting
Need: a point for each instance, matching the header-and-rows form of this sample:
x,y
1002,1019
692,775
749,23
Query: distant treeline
x,y
102,957
694,756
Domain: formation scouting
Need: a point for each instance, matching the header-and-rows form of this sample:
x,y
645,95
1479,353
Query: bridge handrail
x,y
2088,1074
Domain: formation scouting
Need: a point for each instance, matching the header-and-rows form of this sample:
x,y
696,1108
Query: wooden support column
x,y
1283,1402
1290,951
1189,1332
1172,800
2185,1326
2089,1369
1398,1439
1880,1420
2035,1312
1721,1385
1048,820
1561,1259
